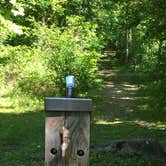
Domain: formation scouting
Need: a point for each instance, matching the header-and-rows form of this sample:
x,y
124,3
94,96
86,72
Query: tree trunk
x,y
160,51
128,45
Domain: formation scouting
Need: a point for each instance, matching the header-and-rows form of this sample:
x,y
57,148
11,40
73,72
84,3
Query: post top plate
x,y
68,104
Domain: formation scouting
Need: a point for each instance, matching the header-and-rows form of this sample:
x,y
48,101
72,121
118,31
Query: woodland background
x,y
42,41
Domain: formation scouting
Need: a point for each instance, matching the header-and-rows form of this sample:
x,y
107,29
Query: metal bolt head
x,y
80,152
53,151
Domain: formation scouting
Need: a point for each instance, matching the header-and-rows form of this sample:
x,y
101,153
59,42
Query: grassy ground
x,y
121,112
22,130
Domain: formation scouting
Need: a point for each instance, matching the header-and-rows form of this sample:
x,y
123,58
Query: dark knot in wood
x,y
53,151
80,153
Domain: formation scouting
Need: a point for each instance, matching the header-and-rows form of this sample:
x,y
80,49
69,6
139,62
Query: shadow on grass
x,y
109,131
22,139
106,133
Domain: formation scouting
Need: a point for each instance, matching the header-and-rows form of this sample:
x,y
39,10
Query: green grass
x,y
22,130
120,159
22,141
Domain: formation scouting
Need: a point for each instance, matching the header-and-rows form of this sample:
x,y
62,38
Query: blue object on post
x,y
69,85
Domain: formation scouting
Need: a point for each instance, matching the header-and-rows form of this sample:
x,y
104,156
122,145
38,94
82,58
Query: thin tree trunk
x,y
127,46
159,51
130,45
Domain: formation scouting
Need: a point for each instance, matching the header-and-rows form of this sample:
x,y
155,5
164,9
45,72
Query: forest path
x,y
122,110
121,92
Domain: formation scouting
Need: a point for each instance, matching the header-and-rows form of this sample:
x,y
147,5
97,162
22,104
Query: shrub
x,y
57,52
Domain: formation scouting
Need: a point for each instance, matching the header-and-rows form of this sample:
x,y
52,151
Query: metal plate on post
x,y
68,104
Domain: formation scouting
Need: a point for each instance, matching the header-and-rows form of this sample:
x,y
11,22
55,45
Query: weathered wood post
x,y
67,131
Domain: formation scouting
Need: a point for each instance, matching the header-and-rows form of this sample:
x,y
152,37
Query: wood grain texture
x,y
53,125
78,125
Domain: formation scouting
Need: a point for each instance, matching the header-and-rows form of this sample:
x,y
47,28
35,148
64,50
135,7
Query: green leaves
x,y
71,51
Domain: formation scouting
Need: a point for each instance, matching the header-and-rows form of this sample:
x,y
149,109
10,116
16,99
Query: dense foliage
x,y
37,54
43,41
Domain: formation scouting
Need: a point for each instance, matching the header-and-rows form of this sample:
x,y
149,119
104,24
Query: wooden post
x,y
67,131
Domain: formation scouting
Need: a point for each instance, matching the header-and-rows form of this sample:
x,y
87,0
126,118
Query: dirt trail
x,y
120,95
123,101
